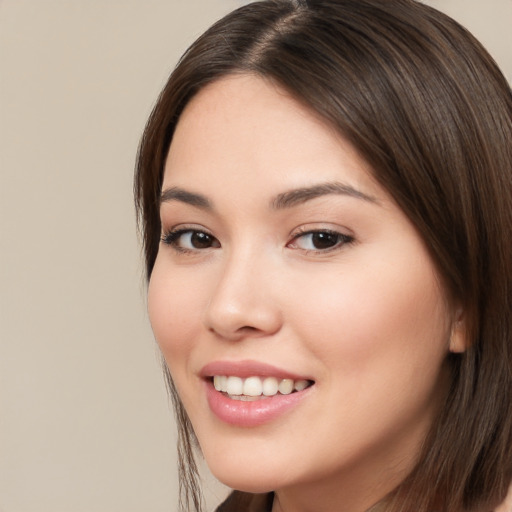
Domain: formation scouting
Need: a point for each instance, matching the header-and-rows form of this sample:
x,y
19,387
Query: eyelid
x,y
171,236
345,238
173,228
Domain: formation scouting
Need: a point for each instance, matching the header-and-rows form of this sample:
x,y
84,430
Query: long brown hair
x,y
429,110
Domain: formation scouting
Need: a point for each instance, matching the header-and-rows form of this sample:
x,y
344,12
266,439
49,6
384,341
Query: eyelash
x,y
343,239
172,238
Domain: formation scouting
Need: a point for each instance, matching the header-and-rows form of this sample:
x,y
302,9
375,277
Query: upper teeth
x,y
257,386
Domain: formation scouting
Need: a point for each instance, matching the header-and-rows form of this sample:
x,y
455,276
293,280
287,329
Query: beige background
x,y
84,421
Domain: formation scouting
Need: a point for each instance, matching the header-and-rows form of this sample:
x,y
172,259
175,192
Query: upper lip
x,y
247,368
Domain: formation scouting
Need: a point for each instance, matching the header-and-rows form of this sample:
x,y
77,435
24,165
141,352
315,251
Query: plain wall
x,y
84,419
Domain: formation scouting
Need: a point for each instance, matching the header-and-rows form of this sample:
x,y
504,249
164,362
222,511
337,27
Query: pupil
x,y
324,240
201,240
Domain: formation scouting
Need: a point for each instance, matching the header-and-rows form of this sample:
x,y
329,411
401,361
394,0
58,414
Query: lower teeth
x,y
246,398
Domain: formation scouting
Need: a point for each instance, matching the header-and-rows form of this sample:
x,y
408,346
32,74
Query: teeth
x,y
270,386
253,386
220,383
235,386
257,386
286,386
300,385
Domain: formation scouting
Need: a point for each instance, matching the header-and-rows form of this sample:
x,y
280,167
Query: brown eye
x,y
201,240
320,240
324,240
190,240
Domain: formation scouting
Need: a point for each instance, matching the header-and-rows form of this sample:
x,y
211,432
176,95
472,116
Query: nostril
x,y
248,328
238,309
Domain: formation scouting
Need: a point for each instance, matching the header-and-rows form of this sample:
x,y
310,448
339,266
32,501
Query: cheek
x,y
369,322
174,311
380,341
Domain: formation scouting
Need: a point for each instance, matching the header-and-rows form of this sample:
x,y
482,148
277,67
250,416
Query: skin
x,y
367,319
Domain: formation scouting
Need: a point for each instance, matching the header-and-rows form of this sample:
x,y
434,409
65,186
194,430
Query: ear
x,y
458,338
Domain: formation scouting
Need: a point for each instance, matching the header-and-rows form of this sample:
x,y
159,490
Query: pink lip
x,y
254,413
247,368
251,414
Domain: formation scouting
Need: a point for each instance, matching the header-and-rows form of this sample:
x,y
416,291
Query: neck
x,y
357,492
356,487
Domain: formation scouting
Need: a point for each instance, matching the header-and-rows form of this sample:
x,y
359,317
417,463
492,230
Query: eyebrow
x,y
284,200
179,194
301,195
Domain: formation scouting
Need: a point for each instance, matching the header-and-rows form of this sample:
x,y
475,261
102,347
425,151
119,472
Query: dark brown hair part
x,y
429,110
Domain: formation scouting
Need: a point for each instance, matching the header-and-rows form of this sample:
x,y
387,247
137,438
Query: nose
x,y
244,303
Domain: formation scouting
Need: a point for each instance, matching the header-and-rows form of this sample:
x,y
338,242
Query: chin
x,y
246,481
245,478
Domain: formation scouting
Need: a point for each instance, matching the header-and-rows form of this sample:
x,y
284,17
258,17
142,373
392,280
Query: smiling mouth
x,y
257,388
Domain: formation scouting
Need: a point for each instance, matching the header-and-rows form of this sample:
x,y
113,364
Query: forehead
x,y
245,129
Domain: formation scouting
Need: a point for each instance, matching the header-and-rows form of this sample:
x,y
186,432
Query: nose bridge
x,y
242,302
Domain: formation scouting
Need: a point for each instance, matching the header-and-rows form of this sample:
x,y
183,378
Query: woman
x,y
325,196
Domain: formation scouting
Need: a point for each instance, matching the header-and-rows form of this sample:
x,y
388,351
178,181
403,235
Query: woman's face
x,y
283,265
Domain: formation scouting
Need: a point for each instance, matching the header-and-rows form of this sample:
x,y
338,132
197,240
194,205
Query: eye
x,y
320,240
190,240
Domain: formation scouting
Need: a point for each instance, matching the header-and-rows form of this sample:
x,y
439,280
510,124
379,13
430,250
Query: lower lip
x,y
253,413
